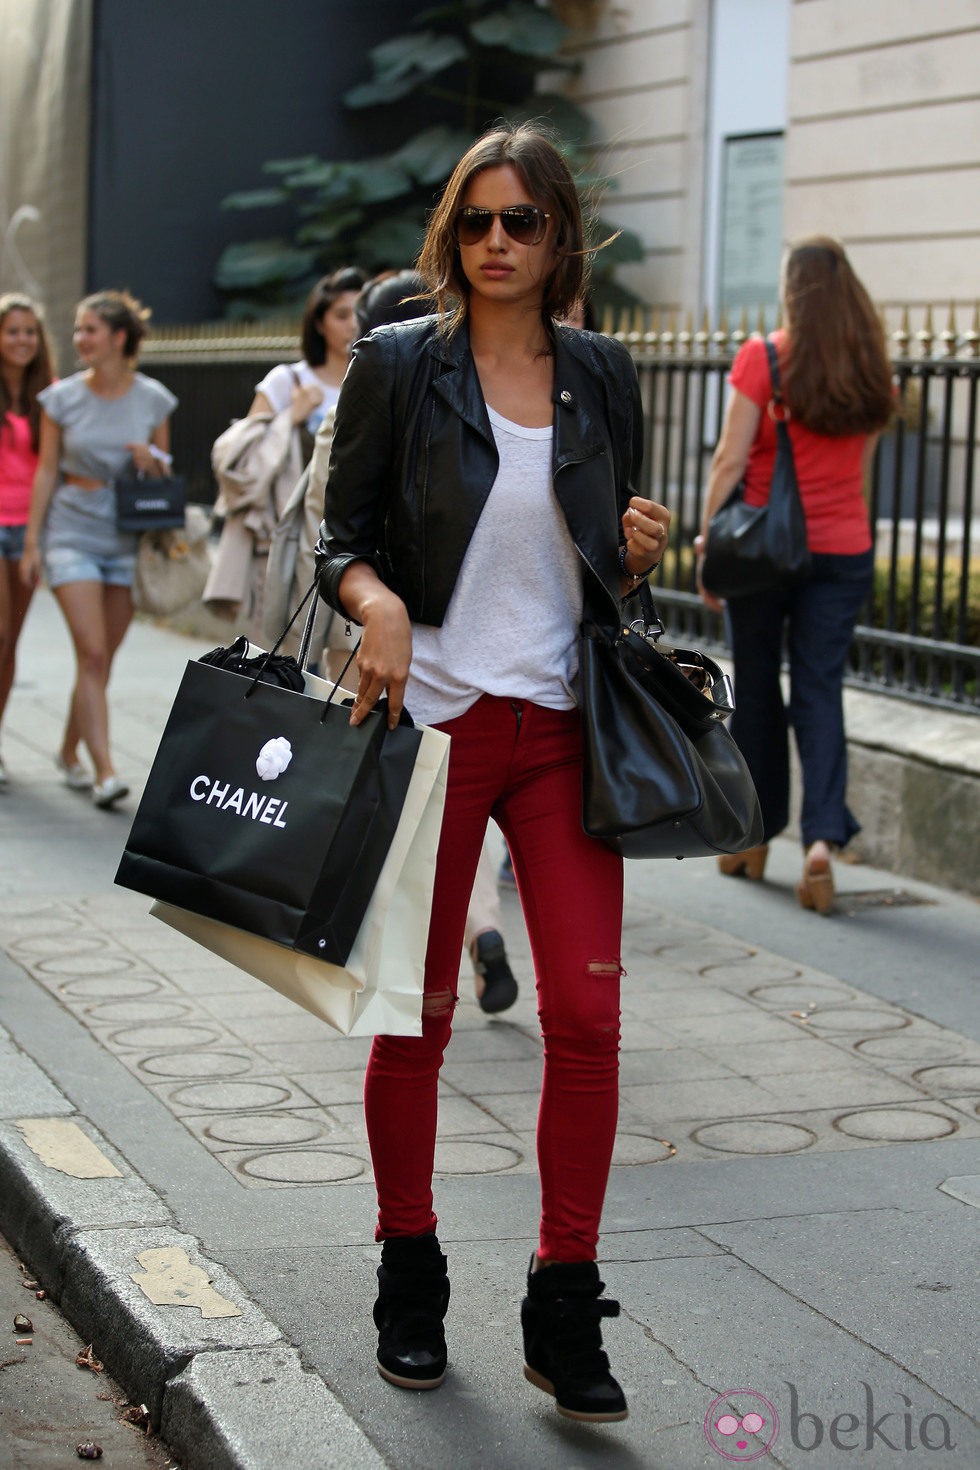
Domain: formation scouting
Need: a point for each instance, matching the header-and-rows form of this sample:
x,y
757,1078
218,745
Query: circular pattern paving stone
x,y
97,962
754,1136
910,1047
147,1038
195,1064
253,1130
114,1012
639,1148
895,1125
955,1077
801,996
869,1019
754,968
302,1166
53,943
467,1156
112,988
230,1097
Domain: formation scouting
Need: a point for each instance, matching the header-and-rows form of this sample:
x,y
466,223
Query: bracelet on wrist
x,y
634,578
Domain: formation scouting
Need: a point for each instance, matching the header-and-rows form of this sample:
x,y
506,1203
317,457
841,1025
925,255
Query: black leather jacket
x,y
413,460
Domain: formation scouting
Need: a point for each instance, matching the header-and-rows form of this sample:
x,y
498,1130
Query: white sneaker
x,y
74,776
106,793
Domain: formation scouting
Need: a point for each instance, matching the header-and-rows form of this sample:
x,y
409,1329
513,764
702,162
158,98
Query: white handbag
x,y
379,990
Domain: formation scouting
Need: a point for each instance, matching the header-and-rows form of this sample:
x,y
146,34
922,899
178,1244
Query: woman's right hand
x,y
305,400
385,655
30,565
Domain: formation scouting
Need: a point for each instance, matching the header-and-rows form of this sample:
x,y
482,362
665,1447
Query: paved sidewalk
x,y
792,1215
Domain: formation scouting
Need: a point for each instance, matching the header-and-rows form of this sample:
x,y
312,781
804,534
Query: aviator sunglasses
x,y
525,223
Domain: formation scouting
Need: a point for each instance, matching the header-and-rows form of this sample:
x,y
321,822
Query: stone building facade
x,y
856,120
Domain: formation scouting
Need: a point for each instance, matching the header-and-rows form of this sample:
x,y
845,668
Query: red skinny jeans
x,y
522,764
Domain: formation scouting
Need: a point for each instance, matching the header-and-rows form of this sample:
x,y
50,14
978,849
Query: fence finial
x,y
703,335
950,334
925,336
971,338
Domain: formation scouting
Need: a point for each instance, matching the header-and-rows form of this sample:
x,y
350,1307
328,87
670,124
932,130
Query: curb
x,y
172,1326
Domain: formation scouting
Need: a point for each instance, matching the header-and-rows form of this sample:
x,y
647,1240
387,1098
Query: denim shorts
x,y
12,542
63,565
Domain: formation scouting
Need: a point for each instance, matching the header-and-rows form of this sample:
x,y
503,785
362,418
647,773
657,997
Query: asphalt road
x,y
48,1405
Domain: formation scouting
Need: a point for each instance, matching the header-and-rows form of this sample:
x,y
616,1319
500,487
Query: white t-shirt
x,y
512,624
280,383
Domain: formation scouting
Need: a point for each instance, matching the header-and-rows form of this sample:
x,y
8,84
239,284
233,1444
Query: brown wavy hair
x,y
121,312
531,152
38,373
838,378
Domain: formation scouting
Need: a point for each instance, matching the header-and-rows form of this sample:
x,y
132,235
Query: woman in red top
x,y
837,385
25,368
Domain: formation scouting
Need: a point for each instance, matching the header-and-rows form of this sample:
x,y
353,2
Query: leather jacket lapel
x,y
458,383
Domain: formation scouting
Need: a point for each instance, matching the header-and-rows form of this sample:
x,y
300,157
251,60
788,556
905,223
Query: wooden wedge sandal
x,y
748,864
815,889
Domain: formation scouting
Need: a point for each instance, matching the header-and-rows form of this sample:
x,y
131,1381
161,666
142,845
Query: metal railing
x,y
919,636
918,639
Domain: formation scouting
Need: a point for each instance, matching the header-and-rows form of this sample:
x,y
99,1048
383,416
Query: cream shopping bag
x,y
379,990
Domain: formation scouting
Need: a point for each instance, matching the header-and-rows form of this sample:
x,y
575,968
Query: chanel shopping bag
x,y
266,810
379,989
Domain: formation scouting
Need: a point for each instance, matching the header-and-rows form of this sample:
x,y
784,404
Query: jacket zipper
x,y
584,459
425,497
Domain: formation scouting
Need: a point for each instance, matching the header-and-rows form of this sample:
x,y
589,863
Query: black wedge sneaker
x,y
563,1354
413,1294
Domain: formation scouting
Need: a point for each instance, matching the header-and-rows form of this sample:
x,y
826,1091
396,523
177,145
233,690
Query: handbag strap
x,y
773,356
780,418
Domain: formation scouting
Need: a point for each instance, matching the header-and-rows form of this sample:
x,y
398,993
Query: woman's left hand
x,y
709,599
646,526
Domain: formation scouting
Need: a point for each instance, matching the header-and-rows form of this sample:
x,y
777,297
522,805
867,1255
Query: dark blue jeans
x,y
818,616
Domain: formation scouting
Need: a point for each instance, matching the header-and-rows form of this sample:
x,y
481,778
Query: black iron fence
x,y
919,638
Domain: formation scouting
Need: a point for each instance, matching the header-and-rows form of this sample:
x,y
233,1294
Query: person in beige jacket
x,y
258,460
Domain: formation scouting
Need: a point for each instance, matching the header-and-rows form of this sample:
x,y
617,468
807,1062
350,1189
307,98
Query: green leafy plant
x,y
476,61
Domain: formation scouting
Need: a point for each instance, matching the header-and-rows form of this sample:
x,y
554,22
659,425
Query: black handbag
x,y
662,776
265,808
147,504
760,548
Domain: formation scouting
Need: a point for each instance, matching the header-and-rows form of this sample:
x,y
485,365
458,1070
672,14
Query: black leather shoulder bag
x,y
760,548
662,775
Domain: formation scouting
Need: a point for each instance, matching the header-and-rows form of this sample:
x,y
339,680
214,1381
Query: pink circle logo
x,y
741,1425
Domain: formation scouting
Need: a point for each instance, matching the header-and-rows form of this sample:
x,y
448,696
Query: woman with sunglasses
x,y
479,490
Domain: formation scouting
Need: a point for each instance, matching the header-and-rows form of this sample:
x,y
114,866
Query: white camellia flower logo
x,y
273,758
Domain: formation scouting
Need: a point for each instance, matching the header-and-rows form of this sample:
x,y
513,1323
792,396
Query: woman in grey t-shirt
x,y
94,426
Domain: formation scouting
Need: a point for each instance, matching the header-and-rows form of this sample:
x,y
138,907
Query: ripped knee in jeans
x,y
605,967
439,1003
